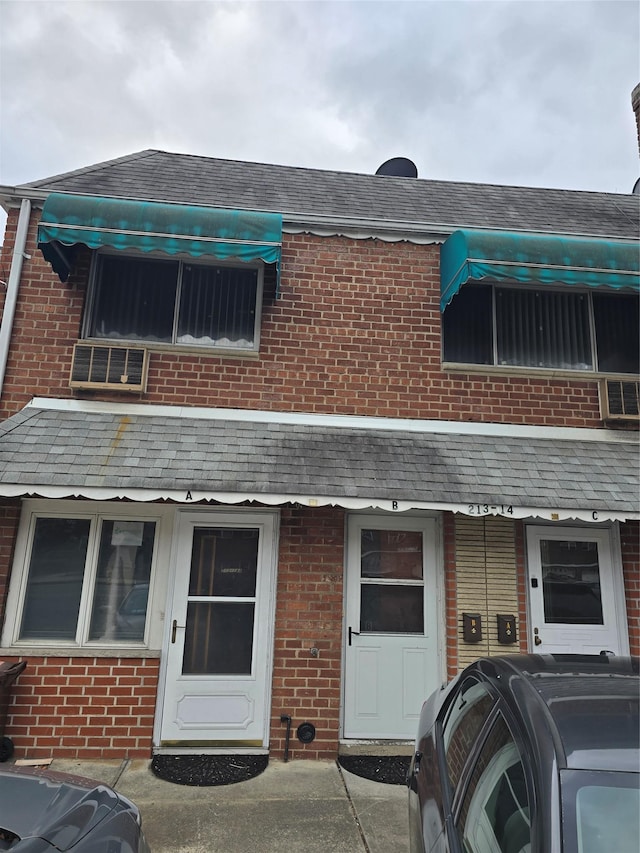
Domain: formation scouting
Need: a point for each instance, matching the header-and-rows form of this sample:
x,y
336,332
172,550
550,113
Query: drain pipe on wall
x,y
11,296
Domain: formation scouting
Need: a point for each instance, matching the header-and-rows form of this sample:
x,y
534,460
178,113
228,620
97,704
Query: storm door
x,y
219,653
575,592
392,621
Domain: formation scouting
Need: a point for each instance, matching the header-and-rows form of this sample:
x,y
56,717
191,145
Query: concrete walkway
x,y
297,807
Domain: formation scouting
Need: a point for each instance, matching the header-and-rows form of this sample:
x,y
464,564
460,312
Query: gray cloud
x,y
531,93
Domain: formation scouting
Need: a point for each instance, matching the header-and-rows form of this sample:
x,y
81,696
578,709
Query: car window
x,y
463,723
600,811
495,812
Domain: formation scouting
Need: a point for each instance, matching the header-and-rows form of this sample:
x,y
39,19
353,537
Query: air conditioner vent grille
x,y
621,400
117,368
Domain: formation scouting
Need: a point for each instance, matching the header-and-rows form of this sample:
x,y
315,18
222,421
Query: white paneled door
x,y
576,598
392,625
219,653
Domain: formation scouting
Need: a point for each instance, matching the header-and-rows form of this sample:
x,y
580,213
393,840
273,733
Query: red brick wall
x,y
83,707
308,615
630,541
356,331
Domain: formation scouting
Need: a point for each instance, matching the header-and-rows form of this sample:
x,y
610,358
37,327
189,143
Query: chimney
x,y
635,103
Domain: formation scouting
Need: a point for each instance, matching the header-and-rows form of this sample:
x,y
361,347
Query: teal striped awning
x,y
149,226
536,259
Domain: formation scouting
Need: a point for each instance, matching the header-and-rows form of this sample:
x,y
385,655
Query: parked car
x,y
43,811
529,754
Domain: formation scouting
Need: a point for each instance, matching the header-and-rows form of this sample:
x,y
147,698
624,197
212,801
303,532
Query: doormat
x,y
390,769
208,770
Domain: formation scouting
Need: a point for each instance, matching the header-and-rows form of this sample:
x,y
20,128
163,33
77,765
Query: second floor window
x,y
175,302
557,329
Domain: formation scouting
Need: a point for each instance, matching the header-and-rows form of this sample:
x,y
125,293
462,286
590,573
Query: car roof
x,y
589,702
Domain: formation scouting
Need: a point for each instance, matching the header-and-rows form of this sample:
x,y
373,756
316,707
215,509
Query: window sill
x,y
154,346
535,372
77,652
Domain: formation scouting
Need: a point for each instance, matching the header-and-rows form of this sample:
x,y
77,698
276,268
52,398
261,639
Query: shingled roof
x,y
99,453
347,199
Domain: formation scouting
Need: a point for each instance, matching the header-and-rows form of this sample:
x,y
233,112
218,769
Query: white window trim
x,y
32,509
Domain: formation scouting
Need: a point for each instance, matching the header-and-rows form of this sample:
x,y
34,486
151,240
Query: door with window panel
x,y
575,594
391,632
220,639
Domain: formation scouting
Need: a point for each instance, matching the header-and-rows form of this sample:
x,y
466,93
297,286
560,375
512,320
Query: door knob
x,y
536,638
353,633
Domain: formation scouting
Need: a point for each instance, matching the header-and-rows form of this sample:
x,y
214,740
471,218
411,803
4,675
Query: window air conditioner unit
x,y
620,400
116,368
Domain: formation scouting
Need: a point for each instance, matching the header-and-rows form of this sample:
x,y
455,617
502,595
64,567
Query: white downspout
x,y
13,284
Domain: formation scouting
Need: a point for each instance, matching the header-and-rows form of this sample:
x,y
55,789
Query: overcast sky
x,y
521,92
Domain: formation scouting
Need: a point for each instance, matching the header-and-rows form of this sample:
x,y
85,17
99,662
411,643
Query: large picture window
x,y
175,302
557,329
87,580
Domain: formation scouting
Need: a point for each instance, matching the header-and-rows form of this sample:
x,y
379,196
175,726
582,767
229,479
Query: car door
x,y
438,767
493,804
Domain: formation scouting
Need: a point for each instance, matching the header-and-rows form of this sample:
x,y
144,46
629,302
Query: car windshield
x,y
601,811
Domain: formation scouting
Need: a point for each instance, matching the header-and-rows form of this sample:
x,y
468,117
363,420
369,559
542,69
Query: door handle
x,y
174,628
353,633
536,638
412,773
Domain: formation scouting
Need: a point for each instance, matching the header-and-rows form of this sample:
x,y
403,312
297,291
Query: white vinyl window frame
x,y
94,514
180,260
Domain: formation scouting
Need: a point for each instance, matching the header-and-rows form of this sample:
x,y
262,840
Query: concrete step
x,y
376,747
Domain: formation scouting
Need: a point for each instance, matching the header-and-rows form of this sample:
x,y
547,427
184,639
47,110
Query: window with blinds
x,y
175,302
557,329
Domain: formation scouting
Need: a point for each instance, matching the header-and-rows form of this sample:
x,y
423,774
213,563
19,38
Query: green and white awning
x,y
537,259
148,226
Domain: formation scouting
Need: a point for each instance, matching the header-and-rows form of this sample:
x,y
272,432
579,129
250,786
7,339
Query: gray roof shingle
x,y
83,451
303,194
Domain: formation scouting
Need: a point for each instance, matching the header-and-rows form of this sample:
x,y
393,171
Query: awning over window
x,y
146,226
536,259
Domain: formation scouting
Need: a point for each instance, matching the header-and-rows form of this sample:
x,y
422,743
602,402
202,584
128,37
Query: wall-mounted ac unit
x,y
620,400
117,368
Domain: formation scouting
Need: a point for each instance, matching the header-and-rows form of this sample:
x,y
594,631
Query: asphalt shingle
x,y
302,194
77,450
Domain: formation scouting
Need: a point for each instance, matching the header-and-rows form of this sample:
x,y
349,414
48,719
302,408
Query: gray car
x,y
42,811
530,754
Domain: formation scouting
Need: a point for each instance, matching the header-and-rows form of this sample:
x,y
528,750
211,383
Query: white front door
x,y
220,643
392,621
576,597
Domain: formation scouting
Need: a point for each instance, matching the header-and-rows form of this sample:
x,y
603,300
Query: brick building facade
x,y
310,524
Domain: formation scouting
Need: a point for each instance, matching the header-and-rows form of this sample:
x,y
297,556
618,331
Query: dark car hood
x,y
58,808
